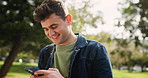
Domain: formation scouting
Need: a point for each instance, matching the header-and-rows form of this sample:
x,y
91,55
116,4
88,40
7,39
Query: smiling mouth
x,y
55,36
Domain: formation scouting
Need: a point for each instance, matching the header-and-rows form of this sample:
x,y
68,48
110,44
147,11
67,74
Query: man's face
x,y
56,29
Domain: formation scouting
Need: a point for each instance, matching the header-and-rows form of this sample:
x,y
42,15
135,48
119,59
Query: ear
x,y
69,19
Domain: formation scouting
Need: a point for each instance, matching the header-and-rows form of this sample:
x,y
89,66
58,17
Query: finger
x,y
41,72
42,77
53,69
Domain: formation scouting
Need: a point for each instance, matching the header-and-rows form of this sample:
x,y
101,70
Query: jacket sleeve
x,y
44,56
101,67
41,57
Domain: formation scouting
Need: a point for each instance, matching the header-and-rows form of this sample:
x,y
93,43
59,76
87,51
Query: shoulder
x,y
94,43
83,42
43,50
47,46
96,47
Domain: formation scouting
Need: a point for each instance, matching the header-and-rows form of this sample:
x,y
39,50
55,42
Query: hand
x,y
50,73
33,76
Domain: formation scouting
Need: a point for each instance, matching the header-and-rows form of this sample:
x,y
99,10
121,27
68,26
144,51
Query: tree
x,y
18,28
125,51
82,16
142,61
135,18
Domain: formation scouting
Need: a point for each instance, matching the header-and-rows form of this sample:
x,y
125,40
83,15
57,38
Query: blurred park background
x,y
124,32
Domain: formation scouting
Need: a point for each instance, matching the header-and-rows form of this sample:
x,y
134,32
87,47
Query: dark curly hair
x,y
49,7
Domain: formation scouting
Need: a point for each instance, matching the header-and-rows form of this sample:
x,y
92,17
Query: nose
x,y
51,32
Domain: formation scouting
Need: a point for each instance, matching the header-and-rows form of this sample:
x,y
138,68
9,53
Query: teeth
x,y
55,36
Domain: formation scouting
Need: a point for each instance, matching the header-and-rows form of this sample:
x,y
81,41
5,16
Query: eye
x,y
54,26
45,29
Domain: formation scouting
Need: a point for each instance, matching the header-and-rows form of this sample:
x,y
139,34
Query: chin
x,y
57,43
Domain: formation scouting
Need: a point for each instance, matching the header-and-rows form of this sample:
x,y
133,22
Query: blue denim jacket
x,y
89,60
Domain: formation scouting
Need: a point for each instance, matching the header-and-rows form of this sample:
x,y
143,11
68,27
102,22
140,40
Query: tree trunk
x,y
9,60
142,68
119,67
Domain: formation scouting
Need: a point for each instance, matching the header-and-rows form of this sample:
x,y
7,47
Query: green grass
x,y
17,71
126,74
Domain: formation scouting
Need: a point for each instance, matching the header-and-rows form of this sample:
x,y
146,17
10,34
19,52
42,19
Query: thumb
x,y
41,72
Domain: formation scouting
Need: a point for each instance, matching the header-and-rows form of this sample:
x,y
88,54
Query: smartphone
x,y
32,69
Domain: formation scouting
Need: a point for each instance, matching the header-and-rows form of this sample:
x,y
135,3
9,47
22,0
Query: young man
x,y
73,55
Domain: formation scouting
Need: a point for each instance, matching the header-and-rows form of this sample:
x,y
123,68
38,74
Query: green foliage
x,y
17,22
142,61
19,31
124,51
101,37
83,17
135,16
134,19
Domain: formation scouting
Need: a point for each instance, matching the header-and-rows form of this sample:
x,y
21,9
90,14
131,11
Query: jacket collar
x,y
81,41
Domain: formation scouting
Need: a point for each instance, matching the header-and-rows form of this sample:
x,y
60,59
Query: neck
x,y
72,38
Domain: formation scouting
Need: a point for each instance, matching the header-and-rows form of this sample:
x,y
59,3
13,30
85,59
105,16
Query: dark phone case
x,y
32,69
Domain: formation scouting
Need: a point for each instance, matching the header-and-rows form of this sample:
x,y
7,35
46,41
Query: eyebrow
x,y
50,25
